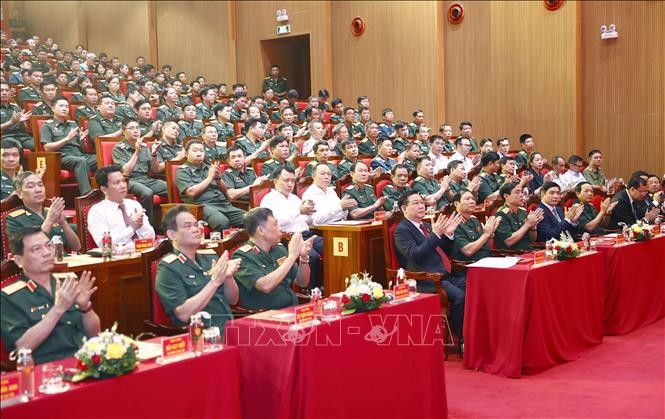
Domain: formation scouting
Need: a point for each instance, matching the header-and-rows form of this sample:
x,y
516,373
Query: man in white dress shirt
x,y
295,215
328,207
573,176
124,218
463,148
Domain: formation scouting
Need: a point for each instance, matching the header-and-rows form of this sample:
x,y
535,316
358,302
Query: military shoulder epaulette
x,y
169,258
269,161
418,178
206,252
26,87
389,186
16,213
92,117
198,120
182,122
266,78
284,78
473,216
229,170
505,210
249,168
351,187
13,287
39,104
50,121
246,248
162,107
523,208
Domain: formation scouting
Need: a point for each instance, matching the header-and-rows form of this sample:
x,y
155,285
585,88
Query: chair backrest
x,y
28,104
150,260
36,122
234,241
380,182
302,162
7,205
301,105
104,146
326,116
343,183
238,126
72,109
82,207
257,165
388,227
257,192
68,95
172,167
303,184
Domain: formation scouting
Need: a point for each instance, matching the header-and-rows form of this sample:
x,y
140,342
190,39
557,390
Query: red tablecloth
x,y
525,319
635,285
341,369
207,386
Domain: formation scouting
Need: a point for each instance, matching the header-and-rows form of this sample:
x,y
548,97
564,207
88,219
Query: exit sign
x,y
283,29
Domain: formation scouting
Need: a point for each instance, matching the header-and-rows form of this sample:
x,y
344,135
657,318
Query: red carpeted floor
x,y
621,378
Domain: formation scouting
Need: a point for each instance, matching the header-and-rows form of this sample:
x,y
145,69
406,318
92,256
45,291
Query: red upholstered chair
x,y
72,110
36,122
174,197
68,95
343,183
159,323
7,205
596,201
153,113
237,127
104,146
326,116
302,162
257,165
10,273
301,105
303,184
82,206
381,182
257,192
28,104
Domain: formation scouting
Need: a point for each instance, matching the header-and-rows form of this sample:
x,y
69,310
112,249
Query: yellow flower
x,y
377,292
93,346
115,351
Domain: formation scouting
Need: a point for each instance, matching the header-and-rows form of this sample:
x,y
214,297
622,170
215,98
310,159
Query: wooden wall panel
x,y
510,69
57,20
119,28
256,21
394,62
196,37
624,85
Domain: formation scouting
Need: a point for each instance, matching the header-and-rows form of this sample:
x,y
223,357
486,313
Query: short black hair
x,y
336,102
458,196
127,121
500,140
169,220
404,197
640,173
324,93
524,137
255,218
465,123
278,172
636,182
574,159
507,188
16,244
549,185
140,103
489,157
278,139
194,142
355,165
393,171
578,187
102,174
250,123
9,143
594,151
453,164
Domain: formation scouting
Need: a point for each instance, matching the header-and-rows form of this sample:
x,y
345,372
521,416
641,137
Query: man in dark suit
x,y
420,247
631,205
554,220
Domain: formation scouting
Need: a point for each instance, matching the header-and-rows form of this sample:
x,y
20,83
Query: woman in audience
x,y
536,162
114,91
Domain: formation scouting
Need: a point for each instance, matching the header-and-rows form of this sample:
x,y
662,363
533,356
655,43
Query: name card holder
x,y
174,348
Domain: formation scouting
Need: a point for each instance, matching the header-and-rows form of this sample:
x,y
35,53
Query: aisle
x,y
621,378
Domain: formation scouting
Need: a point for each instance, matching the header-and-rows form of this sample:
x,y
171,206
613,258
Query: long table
x,y
207,386
387,362
635,284
528,318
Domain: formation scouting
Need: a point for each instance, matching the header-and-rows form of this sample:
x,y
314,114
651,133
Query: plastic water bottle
x,y
401,276
549,250
107,246
196,332
25,366
316,296
59,248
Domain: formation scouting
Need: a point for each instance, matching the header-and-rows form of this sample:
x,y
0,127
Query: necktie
x,y
126,219
556,215
442,254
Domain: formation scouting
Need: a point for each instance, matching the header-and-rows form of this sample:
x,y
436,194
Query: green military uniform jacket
x,y
269,104
236,115
100,126
522,159
84,111
53,130
344,167
427,187
400,144
309,169
488,185
203,112
510,223
275,117
165,113
424,147
41,108
255,264
6,185
225,130
588,214
365,197
281,85
77,98
6,112
269,166
218,152
180,278
184,99
235,179
167,152
456,187
594,178
449,146
393,193
411,165
248,147
145,126
189,175
119,98
124,110
336,119
23,217
190,129
413,129
474,144
469,232
367,147
123,151
28,93
44,67
24,303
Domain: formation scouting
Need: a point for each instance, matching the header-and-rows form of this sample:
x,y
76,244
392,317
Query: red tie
x,y
444,257
126,219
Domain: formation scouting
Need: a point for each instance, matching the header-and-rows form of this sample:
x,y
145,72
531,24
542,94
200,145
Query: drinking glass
x,y
51,379
212,339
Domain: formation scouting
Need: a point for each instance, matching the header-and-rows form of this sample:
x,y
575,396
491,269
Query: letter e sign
x,y
340,246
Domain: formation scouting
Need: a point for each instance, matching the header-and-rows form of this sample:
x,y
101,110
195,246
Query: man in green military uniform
x,y
490,180
222,121
127,110
253,144
279,149
522,158
189,125
418,119
31,92
190,280
90,102
321,153
517,229
215,147
411,155
45,107
350,150
43,314
106,123
14,120
59,134
239,107
204,110
466,131
137,162
149,127
362,193
268,268
592,221
169,147
433,191
471,237
392,192
200,183
338,111
368,145
44,66
400,142
279,85
238,177
10,156
170,109
593,173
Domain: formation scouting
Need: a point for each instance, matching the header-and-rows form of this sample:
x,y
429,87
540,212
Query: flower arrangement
x,y
362,294
641,231
109,354
565,248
